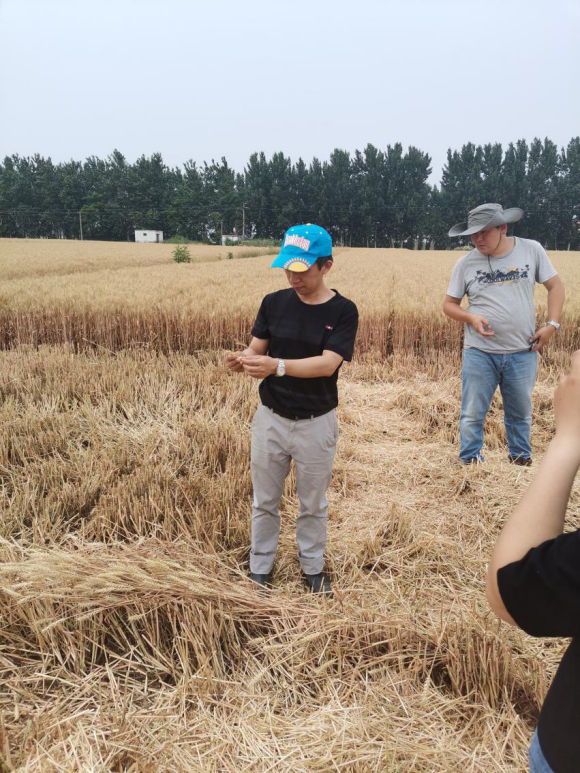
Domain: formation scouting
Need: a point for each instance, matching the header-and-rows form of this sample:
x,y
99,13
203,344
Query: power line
x,y
267,209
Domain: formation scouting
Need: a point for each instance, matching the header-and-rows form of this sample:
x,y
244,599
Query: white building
x,y
148,236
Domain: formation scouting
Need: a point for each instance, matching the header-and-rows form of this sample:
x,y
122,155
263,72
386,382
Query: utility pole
x,y
81,223
243,220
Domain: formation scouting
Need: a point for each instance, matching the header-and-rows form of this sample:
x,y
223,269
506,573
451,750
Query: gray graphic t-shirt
x,y
502,290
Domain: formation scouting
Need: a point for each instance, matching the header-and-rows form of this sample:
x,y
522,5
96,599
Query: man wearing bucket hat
x,y
299,340
500,343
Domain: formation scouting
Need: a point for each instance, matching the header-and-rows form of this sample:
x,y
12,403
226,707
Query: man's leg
x,y
270,463
313,452
538,763
516,385
480,378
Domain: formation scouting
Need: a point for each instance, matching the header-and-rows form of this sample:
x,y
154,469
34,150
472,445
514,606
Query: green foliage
x,y
261,243
181,254
370,197
177,239
256,253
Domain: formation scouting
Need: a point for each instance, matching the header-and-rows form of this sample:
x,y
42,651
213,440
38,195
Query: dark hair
x,y
320,262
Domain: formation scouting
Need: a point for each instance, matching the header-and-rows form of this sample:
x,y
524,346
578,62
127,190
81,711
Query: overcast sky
x,y
205,79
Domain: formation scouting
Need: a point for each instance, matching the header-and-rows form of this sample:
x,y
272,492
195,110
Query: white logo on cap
x,y
297,241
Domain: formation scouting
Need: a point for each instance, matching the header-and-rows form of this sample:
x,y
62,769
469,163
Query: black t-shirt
x,y
297,330
541,592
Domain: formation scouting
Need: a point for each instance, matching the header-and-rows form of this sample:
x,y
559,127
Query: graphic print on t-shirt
x,y
497,276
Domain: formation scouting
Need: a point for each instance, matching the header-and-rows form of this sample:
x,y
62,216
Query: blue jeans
x,y
538,763
482,373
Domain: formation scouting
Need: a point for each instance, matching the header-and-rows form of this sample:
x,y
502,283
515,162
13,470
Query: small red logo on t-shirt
x,y
329,327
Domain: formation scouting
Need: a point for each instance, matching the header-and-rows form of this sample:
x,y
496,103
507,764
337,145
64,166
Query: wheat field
x,y
130,637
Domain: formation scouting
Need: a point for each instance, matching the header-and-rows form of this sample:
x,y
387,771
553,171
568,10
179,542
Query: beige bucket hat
x,y
486,216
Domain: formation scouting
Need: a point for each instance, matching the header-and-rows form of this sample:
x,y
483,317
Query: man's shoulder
x,y
278,296
531,245
345,303
473,256
530,249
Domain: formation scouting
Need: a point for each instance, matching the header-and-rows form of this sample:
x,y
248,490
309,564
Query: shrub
x,y
181,254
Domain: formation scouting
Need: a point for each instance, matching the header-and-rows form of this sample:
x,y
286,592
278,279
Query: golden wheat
x,y
169,307
130,637
22,258
380,281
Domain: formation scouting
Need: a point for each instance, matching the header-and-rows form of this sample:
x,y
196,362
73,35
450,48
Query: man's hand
x,y
481,325
233,362
541,338
258,365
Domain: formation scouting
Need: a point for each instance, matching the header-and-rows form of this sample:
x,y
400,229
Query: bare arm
x,y
308,367
452,308
556,297
540,514
256,347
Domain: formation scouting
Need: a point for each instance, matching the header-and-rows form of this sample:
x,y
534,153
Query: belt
x,y
292,416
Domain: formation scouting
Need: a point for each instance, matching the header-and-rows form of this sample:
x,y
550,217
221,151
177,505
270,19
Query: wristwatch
x,y
555,325
281,369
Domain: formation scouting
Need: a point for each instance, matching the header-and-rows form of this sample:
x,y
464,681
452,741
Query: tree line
x,y
371,197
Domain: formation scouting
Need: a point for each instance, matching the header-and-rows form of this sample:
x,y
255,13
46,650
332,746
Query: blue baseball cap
x,y
302,245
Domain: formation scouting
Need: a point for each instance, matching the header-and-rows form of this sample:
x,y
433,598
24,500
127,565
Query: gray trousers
x,y
276,441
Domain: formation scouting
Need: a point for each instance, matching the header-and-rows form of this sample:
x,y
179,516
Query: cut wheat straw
x,y
130,636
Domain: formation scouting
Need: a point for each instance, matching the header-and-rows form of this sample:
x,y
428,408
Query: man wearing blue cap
x,y
501,343
299,340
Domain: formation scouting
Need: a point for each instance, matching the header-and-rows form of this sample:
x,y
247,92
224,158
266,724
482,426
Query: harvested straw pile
x,y
130,638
